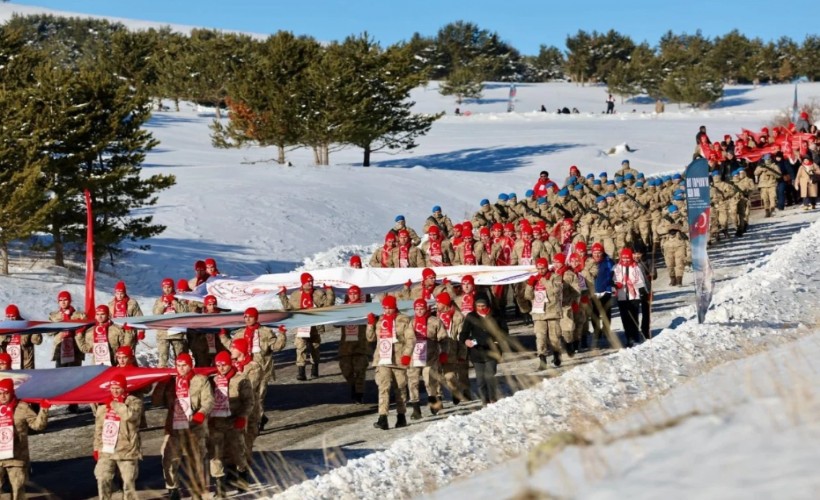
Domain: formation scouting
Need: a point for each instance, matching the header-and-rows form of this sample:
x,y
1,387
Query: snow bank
x,y
775,297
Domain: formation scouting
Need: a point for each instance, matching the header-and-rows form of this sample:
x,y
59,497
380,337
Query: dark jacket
x,y
603,281
490,335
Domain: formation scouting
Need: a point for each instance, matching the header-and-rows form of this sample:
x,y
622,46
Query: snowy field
x,y
740,429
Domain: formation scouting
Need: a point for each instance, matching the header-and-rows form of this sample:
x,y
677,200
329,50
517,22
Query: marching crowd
x,y
592,241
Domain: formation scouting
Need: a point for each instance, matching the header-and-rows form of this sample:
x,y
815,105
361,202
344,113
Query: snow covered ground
x,y
254,217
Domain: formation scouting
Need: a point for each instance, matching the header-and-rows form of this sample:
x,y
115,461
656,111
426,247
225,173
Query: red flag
x,y
89,259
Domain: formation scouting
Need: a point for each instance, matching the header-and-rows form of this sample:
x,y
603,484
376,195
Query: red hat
x,y
458,227
5,358
581,247
7,385
467,224
355,259
427,272
573,168
240,345
433,229
12,310
727,137
541,224
542,262
467,232
444,298
389,302
484,231
252,311
168,282
182,286
209,299
222,357
120,286
804,115
118,380
626,253
404,232
807,161
419,303
102,308
498,227
305,277
185,358
64,295
526,230
559,258
199,265
390,236
468,278
354,289
509,227
569,222
597,247
126,351
210,262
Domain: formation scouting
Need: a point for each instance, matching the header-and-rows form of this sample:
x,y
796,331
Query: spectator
x,y
486,339
610,105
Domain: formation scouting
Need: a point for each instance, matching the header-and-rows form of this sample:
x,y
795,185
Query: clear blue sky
x,y
524,23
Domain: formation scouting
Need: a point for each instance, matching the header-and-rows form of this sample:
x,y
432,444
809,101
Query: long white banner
x,y
238,293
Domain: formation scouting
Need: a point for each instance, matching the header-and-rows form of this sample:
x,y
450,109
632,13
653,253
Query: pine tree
x,y
93,122
263,100
464,83
377,92
23,205
699,86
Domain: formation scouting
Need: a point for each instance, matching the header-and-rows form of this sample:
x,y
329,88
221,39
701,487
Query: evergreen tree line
x,y
68,126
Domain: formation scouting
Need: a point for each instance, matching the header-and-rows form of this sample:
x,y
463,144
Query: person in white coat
x,y
629,288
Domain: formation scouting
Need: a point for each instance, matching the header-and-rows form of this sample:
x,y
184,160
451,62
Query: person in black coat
x,y
486,337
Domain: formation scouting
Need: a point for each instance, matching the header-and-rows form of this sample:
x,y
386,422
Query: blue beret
x,y
602,174
672,209
677,176
640,175
610,195
626,162
436,208
629,176
485,201
579,187
503,197
590,176
511,196
610,183
622,191
599,199
542,201
596,182
529,193
563,192
715,173
399,218
639,184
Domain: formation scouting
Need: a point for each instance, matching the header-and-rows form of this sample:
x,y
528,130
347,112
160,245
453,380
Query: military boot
x,y
314,370
542,363
416,411
401,421
173,494
220,487
381,423
672,281
301,375
556,359
435,405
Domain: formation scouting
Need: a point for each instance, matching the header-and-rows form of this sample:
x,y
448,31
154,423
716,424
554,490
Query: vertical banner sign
x,y
794,106
510,100
89,258
697,205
